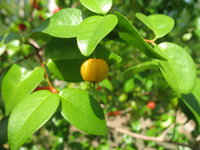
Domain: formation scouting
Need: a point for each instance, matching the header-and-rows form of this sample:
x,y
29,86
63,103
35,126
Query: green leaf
x,y
59,49
19,81
92,30
65,60
63,24
100,7
160,24
83,111
67,70
3,133
29,115
129,85
129,73
179,71
192,101
103,53
131,36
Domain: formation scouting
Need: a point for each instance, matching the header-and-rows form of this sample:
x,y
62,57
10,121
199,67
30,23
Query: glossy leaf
x,y
92,30
58,48
83,111
160,24
100,7
192,101
131,36
20,80
63,24
29,115
179,71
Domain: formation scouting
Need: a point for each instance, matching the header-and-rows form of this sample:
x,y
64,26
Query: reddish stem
x,y
53,90
149,41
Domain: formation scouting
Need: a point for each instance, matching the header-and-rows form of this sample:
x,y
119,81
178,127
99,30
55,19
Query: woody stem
x,y
42,64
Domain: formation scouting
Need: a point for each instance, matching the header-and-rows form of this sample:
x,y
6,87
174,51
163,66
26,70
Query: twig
x,y
75,4
20,60
42,64
147,138
150,41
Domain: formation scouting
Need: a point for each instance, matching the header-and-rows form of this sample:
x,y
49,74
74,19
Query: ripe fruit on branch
x,y
115,113
41,18
22,27
94,70
53,90
151,105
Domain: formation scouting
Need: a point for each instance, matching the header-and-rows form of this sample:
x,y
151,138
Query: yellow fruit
x,y
94,70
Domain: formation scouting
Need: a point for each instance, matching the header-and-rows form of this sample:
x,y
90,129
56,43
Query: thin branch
x,y
53,90
147,138
150,41
20,60
75,4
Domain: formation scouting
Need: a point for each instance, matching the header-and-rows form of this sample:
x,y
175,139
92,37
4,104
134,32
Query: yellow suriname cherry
x,y
94,70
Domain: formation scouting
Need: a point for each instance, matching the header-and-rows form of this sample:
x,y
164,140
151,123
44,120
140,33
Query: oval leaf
x,y
100,7
83,111
92,30
59,49
130,35
63,24
29,115
19,81
160,24
179,71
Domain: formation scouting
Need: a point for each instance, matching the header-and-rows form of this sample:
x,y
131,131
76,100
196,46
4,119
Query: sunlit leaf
x,y
97,6
92,30
131,36
29,115
20,80
179,71
63,24
160,24
83,111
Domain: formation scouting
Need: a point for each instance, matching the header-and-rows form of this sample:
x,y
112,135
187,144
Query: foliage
x,y
152,55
